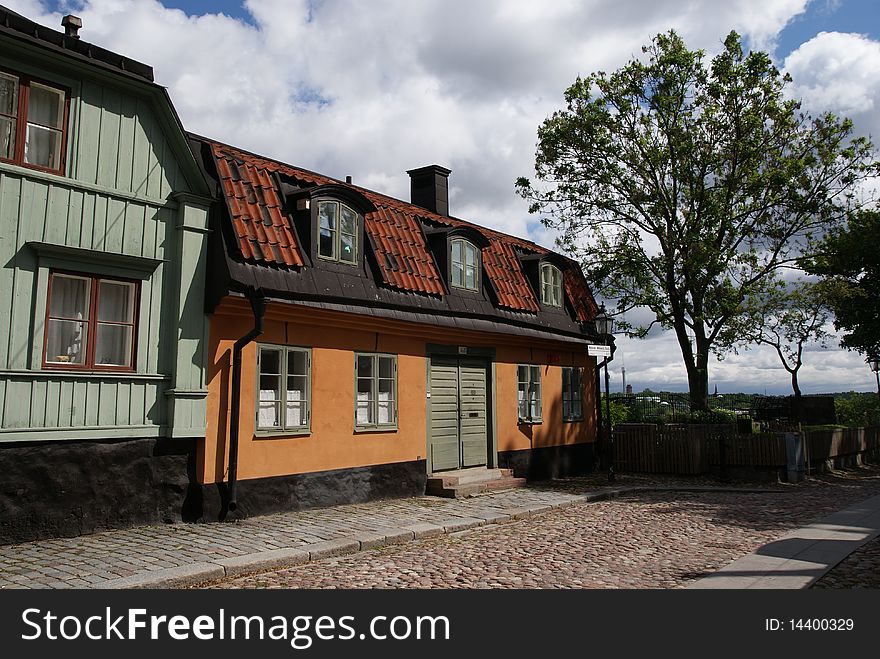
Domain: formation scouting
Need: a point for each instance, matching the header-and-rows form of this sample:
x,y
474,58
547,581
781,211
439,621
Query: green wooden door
x,y
458,413
472,412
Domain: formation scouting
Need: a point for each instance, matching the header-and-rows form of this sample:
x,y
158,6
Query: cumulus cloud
x,y
837,72
372,89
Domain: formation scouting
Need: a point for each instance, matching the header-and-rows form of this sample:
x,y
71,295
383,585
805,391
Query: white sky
x,y
371,89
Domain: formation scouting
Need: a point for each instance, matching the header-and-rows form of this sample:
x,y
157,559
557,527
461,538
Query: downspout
x,y
258,306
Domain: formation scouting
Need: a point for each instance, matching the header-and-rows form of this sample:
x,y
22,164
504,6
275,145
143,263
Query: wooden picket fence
x,y
827,444
696,449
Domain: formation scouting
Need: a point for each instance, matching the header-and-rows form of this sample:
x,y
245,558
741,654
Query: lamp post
x,y
604,328
874,363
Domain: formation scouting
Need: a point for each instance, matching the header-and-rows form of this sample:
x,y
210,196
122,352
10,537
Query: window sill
x,y
358,430
530,422
577,419
282,434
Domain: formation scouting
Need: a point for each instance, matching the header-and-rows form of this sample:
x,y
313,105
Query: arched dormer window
x,y
465,270
551,285
337,232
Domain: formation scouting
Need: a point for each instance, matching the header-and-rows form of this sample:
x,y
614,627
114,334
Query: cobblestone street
x,y
648,540
860,570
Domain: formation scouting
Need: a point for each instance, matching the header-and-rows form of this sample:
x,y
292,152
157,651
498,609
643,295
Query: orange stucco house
x,y
359,343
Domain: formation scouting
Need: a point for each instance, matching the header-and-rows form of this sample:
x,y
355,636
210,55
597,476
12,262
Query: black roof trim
x,y
17,26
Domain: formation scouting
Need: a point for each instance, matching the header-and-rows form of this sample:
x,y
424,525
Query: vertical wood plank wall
x,y
118,150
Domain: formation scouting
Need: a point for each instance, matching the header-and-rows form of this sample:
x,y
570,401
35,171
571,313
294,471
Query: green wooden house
x,y
103,227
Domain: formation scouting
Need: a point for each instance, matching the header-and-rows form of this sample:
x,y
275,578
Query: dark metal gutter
x,y
258,305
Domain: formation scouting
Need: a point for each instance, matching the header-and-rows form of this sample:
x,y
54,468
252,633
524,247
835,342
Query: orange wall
x,y
552,431
333,443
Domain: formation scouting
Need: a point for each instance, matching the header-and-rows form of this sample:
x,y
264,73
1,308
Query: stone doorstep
x,y
463,476
472,488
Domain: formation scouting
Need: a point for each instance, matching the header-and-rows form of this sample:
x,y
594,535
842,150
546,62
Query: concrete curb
x,y
198,573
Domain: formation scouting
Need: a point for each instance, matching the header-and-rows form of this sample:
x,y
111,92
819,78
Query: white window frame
x,y
375,425
337,233
476,265
551,280
283,428
572,394
532,381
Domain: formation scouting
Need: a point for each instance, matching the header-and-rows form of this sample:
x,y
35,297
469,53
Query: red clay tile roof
x,y
401,251
264,235
579,294
503,268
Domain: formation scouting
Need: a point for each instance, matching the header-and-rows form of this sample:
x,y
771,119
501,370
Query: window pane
x,y
297,387
327,229
457,274
566,408
386,412
535,401
268,415
113,345
7,137
42,146
386,389
522,373
45,106
8,94
364,366
456,252
349,221
327,243
470,257
386,367
470,280
348,248
297,362
66,342
327,215
270,361
297,404
70,297
116,302
576,410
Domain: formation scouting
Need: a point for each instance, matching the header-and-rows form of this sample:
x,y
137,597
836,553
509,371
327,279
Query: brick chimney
x,y
71,25
429,188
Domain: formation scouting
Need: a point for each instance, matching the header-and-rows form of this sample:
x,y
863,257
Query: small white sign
x,y
598,351
462,350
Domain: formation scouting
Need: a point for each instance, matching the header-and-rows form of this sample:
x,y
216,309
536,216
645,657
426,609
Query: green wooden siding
x,y
121,196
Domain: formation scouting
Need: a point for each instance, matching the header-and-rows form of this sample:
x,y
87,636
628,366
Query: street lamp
x,y
874,363
604,328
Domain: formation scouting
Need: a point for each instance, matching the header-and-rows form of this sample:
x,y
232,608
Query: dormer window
x,y
465,265
551,285
337,232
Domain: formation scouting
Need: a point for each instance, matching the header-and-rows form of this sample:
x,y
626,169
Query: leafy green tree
x,y
786,317
683,187
849,265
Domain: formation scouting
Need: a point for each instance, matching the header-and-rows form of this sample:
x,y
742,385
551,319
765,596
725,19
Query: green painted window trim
x,y
567,373
528,419
464,264
291,431
337,233
551,277
376,427
89,262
